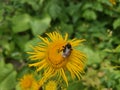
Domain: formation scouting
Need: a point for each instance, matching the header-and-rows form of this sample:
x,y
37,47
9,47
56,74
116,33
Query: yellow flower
x,y
51,85
57,55
113,2
28,83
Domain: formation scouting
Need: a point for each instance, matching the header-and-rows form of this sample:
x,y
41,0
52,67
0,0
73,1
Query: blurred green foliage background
x,y
97,21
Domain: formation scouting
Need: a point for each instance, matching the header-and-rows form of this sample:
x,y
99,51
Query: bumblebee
x,y
67,50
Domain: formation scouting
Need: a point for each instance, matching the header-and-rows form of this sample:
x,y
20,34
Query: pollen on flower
x,y
28,83
51,85
56,57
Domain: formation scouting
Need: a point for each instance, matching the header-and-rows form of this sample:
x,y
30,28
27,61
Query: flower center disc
x,y
55,55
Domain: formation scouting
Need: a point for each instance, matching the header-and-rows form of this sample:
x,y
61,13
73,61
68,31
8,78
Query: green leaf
x,y
32,3
20,23
1,14
20,41
67,28
92,56
117,49
116,23
39,26
106,2
97,6
18,87
89,15
7,76
87,6
54,10
75,86
73,10
30,43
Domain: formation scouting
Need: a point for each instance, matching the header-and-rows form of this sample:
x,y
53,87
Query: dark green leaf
x,y
67,28
89,15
